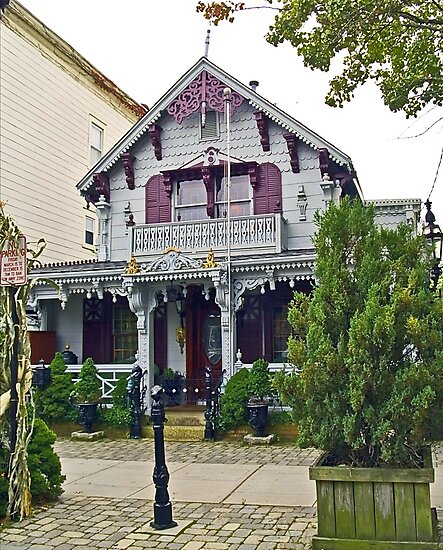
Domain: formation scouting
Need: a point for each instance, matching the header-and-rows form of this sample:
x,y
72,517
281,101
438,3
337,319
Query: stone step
x,y
179,433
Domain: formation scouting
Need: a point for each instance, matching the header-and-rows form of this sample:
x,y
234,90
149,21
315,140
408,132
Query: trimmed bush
x,y
44,468
233,401
259,381
88,387
53,404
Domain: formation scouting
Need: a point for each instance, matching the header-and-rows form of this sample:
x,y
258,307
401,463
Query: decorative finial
x,y
208,36
132,268
210,260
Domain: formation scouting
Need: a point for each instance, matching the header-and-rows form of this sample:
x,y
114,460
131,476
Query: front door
x,y
203,337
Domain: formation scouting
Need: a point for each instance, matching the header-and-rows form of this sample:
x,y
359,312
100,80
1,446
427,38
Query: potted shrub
x,y
87,394
259,389
172,386
368,349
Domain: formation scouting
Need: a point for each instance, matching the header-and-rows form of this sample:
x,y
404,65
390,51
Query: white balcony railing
x,y
266,232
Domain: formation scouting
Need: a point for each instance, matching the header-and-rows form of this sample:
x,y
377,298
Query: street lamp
x,y
434,236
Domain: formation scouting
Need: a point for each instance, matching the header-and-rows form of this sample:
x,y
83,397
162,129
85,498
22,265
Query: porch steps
x,y
184,423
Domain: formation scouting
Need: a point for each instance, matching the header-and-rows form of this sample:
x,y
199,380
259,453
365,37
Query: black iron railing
x,y
212,394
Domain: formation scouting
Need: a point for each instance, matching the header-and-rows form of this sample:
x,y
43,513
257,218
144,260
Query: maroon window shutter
x,y
158,204
267,191
160,336
249,331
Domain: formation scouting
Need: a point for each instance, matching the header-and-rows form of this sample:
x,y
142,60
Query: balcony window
x,y
240,199
192,199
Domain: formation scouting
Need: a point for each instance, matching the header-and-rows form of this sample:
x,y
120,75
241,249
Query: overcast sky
x,y
144,46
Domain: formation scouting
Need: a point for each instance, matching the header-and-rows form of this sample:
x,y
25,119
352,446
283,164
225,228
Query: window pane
x,y
240,189
96,138
281,332
89,230
191,192
125,333
237,209
95,156
191,213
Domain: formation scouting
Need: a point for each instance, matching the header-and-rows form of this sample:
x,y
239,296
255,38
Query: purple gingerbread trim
x,y
204,91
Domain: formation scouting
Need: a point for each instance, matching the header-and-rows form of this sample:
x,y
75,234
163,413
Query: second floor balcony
x,y
265,233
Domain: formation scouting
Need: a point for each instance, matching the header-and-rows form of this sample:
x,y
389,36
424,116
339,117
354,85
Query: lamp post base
x,y
163,517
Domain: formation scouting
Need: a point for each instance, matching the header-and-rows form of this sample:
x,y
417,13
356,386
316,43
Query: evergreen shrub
x,y
87,389
259,381
53,403
44,468
233,401
367,346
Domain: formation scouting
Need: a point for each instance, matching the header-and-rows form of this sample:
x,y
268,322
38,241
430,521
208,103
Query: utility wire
x,y
436,174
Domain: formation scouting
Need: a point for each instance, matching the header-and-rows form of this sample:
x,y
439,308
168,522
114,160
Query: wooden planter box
x,y
365,508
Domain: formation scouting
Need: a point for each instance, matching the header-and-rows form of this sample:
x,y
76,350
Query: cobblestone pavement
x,y
219,452
85,523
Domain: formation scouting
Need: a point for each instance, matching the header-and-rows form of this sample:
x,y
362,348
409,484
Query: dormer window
x,y
209,126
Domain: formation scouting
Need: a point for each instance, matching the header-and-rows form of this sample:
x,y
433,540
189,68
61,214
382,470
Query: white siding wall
x,y
181,146
45,120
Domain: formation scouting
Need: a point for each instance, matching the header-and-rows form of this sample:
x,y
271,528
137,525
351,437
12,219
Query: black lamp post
x,y
41,377
434,236
162,505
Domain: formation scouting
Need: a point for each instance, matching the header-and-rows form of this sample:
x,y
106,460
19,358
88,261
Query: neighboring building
x,y
59,115
190,270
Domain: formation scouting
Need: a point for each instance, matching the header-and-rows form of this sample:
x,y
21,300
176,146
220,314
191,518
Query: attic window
x,y
211,129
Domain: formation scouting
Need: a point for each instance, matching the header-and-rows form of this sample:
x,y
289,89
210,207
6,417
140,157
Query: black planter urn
x,y
258,416
87,415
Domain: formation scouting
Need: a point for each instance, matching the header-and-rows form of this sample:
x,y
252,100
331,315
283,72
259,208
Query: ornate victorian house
x,y
206,210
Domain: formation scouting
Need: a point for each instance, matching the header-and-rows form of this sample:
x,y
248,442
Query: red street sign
x,y
13,267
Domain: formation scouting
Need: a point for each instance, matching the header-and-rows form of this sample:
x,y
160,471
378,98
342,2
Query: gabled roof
x,y
252,97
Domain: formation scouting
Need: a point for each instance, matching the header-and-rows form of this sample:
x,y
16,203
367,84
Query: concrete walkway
x,y
224,496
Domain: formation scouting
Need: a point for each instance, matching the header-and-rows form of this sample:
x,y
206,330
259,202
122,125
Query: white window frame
x,y
95,124
88,231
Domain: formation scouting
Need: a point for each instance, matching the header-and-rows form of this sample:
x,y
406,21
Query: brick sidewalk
x,y
86,523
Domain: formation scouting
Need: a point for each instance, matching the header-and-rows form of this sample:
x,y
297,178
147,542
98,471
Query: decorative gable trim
x,y
291,140
204,91
262,125
128,165
154,132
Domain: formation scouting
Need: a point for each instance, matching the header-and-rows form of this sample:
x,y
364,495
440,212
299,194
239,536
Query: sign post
x,y
13,273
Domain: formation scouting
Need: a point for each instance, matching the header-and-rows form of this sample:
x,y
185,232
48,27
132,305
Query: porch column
x,y
223,299
142,302
103,209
